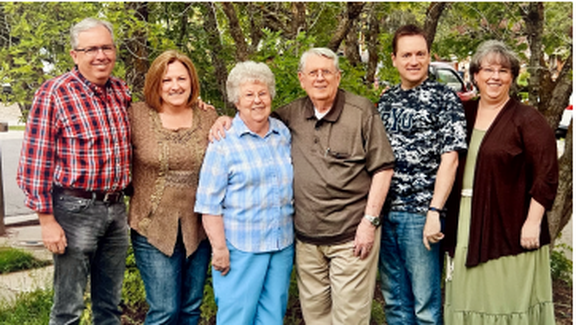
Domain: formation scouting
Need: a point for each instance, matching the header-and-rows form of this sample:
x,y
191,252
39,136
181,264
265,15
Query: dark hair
x,y
408,30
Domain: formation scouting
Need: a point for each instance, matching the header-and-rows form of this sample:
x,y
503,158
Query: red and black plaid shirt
x,y
77,136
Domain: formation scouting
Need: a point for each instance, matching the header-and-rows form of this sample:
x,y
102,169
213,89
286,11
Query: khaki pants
x,y
335,286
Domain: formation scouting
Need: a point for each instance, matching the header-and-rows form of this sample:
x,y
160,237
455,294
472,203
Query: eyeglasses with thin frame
x,y
491,71
93,50
324,72
251,97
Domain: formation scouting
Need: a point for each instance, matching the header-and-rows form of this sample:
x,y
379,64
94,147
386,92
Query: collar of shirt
x,y
423,85
335,111
94,88
240,127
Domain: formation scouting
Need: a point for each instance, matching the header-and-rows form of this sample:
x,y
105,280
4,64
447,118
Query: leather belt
x,y
107,197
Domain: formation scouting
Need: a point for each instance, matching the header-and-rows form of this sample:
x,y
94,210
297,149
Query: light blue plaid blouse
x,y
248,180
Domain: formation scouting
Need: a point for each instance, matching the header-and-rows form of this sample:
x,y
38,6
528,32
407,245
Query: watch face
x,y
375,221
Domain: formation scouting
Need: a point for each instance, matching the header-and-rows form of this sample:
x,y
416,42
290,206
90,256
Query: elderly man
x,y
342,171
74,166
425,123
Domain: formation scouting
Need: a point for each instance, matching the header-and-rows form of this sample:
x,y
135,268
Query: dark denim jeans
x,y
97,236
410,273
174,284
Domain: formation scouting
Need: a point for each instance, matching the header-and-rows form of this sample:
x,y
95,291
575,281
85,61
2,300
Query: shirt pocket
x,y
79,136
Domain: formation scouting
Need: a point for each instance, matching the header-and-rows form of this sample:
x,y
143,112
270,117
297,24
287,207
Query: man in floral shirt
x,y
425,124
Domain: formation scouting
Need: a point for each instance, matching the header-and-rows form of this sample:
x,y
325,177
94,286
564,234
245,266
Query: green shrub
x,y
208,309
560,265
31,308
12,260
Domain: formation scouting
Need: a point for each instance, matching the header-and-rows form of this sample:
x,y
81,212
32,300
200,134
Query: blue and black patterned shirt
x,y
422,123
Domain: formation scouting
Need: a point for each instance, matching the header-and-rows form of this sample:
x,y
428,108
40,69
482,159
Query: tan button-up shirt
x,y
334,159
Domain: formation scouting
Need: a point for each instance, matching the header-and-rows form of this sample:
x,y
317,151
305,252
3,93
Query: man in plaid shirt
x,y
74,166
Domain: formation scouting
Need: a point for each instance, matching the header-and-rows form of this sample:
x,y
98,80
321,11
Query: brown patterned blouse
x,y
165,168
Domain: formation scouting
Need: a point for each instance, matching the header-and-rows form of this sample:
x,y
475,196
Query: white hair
x,y
86,24
249,71
320,51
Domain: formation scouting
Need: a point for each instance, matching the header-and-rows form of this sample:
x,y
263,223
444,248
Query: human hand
x,y
384,90
205,106
364,240
530,235
221,260
218,129
53,235
432,233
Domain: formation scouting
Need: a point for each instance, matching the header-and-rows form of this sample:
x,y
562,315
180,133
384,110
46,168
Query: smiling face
x,y
98,67
493,80
320,79
175,87
411,59
254,104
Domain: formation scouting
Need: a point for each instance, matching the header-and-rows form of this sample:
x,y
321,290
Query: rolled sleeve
x,y
541,153
36,165
213,181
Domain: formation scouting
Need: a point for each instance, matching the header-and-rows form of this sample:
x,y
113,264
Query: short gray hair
x,y
501,54
249,71
320,51
86,24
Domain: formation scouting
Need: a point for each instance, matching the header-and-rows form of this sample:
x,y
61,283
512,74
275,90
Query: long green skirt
x,y
511,290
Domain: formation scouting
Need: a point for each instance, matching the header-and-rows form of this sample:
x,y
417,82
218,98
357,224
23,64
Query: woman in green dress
x,y
497,237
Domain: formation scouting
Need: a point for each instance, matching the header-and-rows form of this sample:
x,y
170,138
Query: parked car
x,y
564,123
6,89
446,74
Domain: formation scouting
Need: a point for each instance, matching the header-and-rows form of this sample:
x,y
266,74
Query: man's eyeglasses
x,y
93,50
324,72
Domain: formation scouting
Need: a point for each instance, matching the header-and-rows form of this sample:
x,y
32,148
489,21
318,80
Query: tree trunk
x,y
137,61
562,209
534,22
433,15
353,10
236,31
216,50
255,26
550,97
183,35
559,95
352,49
372,44
298,22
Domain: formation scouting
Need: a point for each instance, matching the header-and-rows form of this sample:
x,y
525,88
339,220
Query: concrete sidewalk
x,y
29,238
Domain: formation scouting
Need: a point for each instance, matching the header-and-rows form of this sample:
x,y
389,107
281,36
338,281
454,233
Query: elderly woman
x,y
245,196
500,272
169,138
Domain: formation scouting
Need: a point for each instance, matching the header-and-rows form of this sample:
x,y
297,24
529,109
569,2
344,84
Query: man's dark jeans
x,y
97,236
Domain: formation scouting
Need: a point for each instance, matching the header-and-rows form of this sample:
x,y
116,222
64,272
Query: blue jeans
x,y
255,290
410,273
97,236
174,284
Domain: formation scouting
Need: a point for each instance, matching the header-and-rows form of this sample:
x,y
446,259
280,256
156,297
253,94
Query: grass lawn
x,y
12,260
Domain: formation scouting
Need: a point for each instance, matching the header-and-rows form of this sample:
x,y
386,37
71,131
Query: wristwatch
x,y
375,221
441,212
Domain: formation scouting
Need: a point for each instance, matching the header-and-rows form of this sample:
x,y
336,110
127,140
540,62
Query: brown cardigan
x,y
517,161
165,168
